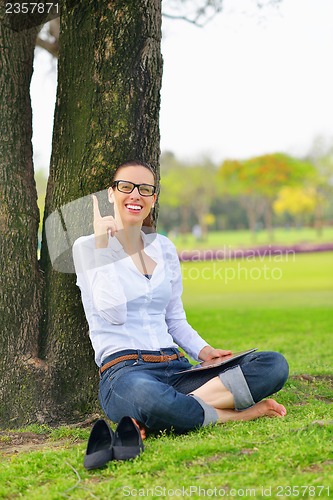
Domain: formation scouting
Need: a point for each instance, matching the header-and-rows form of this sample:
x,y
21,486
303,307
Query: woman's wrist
x,y
204,353
101,240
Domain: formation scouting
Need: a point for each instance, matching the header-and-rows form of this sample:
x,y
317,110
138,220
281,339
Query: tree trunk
x,y
249,204
268,217
107,112
21,371
319,216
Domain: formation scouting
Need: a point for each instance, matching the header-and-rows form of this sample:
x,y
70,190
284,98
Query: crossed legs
x,y
217,395
157,400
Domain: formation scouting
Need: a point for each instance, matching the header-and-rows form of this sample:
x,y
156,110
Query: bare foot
x,y
141,428
266,408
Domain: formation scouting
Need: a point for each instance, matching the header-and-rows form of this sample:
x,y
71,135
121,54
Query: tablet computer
x,y
215,362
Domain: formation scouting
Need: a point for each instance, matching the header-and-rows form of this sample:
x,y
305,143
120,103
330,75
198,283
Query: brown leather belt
x,y
148,358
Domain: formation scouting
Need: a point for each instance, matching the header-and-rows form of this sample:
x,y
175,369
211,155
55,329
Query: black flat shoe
x,y
99,448
127,441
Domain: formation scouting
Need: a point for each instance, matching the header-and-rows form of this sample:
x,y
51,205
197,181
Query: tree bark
x,y
107,111
21,370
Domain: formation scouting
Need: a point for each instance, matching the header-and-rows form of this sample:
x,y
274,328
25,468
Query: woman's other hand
x,y
208,353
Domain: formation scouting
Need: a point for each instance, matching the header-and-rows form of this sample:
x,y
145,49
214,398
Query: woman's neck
x,y
130,238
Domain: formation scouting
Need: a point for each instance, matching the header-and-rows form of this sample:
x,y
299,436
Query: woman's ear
x,y
110,195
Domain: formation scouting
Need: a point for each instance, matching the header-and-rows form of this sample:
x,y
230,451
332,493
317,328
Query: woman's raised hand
x,y
103,226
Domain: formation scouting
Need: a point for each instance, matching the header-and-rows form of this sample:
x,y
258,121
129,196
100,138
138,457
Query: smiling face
x,y
132,208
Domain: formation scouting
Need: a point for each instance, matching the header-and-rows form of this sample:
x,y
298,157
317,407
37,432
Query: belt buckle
x,y
166,357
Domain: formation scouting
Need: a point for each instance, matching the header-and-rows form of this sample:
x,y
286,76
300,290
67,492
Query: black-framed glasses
x,y
127,187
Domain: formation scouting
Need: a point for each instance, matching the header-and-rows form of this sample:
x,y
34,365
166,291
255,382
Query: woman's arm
x,y
98,280
181,331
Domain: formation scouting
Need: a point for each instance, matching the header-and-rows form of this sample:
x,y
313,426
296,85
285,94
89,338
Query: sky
x,y
252,81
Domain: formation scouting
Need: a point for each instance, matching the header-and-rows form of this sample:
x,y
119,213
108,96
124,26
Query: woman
x,y
131,291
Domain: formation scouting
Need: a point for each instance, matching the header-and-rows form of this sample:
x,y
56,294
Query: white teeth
x,y
134,207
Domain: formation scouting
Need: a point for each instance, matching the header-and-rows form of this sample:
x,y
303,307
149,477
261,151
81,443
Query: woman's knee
x,y
276,370
281,369
266,373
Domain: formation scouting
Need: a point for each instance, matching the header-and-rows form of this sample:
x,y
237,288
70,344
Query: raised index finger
x,y
97,213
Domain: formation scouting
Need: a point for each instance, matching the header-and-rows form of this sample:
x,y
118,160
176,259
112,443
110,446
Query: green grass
x,y
292,280
243,238
262,458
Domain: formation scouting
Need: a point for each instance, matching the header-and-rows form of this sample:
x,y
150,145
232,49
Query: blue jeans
x,y
158,397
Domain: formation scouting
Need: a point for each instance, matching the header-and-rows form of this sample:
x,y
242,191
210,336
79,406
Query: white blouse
x,y
125,309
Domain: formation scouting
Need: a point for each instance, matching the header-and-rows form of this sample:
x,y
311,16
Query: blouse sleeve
x,y
181,331
98,281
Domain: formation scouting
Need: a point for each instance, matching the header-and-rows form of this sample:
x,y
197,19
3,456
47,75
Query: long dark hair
x,y
136,163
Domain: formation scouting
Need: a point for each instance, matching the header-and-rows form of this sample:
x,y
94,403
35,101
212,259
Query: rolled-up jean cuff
x,y
234,380
210,414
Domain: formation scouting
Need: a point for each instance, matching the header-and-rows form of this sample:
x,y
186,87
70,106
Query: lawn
x,y
283,304
243,238
233,304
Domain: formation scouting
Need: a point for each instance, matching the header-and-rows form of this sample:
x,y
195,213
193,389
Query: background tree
x,y
203,188
321,156
189,188
274,171
257,181
298,202
236,182
173,198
